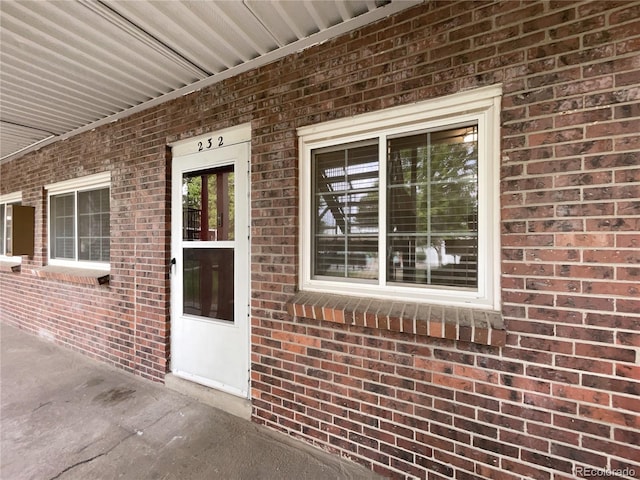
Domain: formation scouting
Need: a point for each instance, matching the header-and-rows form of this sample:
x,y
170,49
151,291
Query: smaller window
x,y
5,231
79,222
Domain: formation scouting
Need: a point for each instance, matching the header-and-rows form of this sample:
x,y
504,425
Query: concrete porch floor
x,y
64,416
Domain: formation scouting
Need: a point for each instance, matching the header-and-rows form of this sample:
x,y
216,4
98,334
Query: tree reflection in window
x,y
431,209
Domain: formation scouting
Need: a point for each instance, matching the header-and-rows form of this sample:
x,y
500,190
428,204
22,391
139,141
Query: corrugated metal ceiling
x,y
67,66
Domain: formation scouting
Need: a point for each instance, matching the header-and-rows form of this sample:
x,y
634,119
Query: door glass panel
x,y
208,282
208,205
208,216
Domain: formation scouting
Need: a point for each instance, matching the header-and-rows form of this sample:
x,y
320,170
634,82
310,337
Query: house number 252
x,y
209,143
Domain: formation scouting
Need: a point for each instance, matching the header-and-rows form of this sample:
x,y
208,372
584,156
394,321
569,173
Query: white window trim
x,y
481,105
89,182
7,199
11,197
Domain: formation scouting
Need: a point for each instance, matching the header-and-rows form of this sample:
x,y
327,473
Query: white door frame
x,y
197,153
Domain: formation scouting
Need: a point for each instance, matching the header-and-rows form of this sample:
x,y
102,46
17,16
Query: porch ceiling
x,y
69,66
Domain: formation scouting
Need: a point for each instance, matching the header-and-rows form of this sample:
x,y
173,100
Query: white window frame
x,y
480,106
75,185
8,199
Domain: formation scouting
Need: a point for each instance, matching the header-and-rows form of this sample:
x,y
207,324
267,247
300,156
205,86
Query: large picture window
x,y
79,222
403,204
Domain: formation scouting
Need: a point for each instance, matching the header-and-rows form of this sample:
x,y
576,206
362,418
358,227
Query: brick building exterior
x,y
548,391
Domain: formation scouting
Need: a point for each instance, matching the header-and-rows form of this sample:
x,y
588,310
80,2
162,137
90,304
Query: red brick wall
x,y
126,322
561,396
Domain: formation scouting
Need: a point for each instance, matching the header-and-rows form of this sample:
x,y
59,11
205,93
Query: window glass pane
x,y
2,228
5,229
345,202
216,221
62,226
432,208
208,282
93,225
64,248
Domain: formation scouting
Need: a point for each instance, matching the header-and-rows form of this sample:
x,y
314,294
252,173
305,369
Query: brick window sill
x,y
81,276
9,266
452,323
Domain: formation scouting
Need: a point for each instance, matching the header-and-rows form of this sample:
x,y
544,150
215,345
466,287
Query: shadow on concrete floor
x,y
65,416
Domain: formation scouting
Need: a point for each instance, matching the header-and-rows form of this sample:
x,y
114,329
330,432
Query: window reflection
x,y
208,201
208,205
346,206
432,208
208,282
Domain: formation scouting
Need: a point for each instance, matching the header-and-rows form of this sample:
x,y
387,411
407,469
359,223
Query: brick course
x,y
560,395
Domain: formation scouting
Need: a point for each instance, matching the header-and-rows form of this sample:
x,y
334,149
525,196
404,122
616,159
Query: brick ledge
x,y
80,276
453,323
9,266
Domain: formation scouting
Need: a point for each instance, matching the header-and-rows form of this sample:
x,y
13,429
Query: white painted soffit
x,y
67,67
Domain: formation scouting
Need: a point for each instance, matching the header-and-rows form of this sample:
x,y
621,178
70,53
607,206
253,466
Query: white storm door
x,y
210,268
